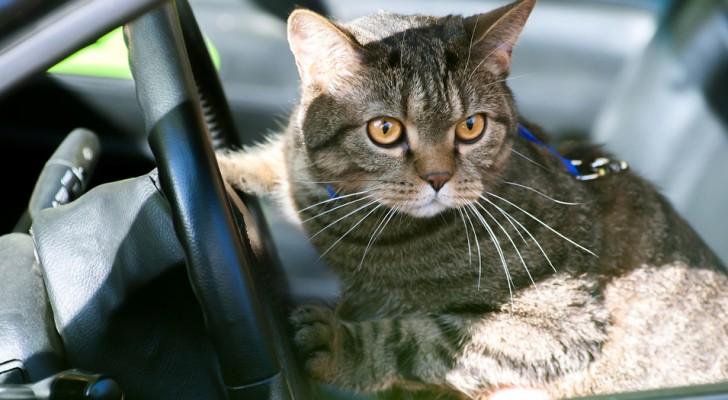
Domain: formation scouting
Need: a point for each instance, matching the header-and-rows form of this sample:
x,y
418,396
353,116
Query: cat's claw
x,y
314,338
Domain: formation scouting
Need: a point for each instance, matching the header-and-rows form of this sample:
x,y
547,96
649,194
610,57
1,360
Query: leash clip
x,y
598,168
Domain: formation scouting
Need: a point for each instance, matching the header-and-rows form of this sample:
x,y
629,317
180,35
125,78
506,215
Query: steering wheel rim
x,y
218,261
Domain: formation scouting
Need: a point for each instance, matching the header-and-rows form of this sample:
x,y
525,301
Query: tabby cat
x,y
471,258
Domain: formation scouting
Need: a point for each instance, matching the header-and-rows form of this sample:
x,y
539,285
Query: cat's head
x,y
413,110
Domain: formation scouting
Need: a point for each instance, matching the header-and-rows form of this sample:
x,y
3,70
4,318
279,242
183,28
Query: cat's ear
x,y
326,56
494,34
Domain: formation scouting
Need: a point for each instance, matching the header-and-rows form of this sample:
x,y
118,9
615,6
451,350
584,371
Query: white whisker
x,y
334,199
508,218
377,232
511,43
392,213
512,220
498,248
510,78
467,236
477,244
479,64
514,77
512,244
349,231
338,207
566,203
345,216
470,46
543,223
341,181
516,152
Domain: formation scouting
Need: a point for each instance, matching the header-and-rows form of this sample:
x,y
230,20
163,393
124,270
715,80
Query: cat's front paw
x,y
315,340
246,175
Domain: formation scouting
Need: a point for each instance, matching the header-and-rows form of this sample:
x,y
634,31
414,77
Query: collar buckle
x,y
598,168
580,169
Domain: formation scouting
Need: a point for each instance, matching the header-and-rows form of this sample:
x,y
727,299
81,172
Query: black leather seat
x,y
25,357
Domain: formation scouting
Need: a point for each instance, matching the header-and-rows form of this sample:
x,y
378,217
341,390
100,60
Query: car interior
x,y
128,266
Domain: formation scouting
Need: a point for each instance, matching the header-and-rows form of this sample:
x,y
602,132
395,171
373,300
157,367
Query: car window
x,y
18,13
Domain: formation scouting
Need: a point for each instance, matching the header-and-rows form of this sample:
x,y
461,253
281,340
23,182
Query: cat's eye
x,y
471,128
385,131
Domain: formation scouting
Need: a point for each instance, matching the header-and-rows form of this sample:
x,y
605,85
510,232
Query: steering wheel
x,y
246,332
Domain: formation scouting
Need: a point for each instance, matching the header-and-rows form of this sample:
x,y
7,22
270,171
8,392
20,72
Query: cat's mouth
x,y
427,203
428,208
424,202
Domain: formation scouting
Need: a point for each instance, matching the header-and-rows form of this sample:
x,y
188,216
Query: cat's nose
x,y
437,179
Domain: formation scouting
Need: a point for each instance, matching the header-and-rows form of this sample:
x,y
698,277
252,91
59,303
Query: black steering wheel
x,y
247,334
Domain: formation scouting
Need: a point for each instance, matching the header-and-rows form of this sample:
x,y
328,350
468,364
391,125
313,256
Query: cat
x,y
470,255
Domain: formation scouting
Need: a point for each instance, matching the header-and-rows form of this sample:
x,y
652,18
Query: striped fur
x,y
514,273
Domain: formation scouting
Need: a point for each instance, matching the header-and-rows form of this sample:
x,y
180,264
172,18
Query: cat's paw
x,y
315,339
246,175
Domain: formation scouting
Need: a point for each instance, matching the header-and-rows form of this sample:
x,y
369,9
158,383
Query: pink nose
x,y
437,179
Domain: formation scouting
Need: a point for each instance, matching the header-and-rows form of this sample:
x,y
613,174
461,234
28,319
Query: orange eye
x,y
470,129
385,131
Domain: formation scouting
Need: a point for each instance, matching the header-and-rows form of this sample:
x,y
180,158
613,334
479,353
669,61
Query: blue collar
x,y
331,191
580,169
525,133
